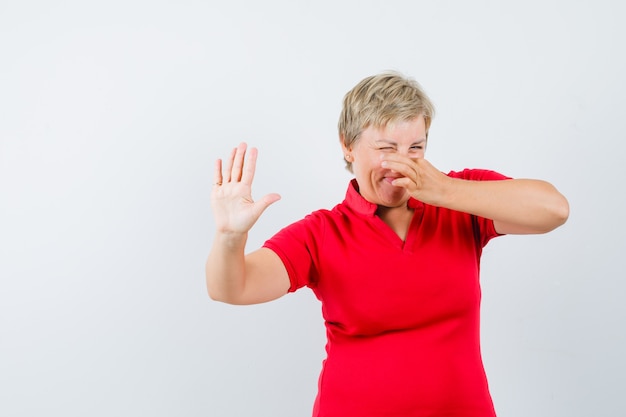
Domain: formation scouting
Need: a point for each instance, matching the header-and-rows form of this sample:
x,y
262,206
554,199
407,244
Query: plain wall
x,y
112,114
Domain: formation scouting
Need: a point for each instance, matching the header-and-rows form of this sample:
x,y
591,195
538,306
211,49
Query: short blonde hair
x,y
379,100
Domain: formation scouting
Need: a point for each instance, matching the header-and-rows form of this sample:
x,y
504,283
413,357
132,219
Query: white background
x,y
112,114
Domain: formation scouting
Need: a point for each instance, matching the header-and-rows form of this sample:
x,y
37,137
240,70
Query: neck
x,y
397,218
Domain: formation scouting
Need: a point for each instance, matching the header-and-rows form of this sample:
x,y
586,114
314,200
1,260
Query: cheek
x,y
367,164
375,159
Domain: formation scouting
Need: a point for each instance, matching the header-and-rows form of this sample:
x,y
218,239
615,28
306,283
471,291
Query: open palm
x,y
234,209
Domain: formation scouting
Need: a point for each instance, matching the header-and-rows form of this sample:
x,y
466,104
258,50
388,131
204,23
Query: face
x,y
407,138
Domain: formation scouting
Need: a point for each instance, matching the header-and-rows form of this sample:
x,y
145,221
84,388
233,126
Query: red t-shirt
x,y
402,317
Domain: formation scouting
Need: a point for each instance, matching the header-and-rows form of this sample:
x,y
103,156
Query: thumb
x,y
265,201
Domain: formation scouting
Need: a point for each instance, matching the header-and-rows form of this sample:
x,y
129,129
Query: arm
x,y
519,206
232,276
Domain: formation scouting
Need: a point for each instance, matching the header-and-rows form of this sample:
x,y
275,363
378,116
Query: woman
x,y
396,265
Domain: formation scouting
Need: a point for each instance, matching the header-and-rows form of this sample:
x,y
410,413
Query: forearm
x,y
515,206
232,276
225,267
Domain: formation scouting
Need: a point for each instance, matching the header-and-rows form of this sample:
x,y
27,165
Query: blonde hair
x,y
379,100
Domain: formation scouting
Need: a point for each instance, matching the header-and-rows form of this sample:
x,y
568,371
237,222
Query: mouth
x,y
389,179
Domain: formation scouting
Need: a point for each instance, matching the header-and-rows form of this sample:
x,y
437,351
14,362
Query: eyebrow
x,y
392,142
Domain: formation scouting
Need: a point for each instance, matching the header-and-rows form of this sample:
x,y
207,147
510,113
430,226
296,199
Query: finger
x,y
404,182
249,167
264,202
240,153
401,167
228,167
217,173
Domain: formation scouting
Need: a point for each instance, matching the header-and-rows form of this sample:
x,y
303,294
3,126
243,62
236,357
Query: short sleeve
x,y
485,229
297,246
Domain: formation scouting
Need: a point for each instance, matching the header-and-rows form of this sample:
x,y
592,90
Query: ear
x,y
347,151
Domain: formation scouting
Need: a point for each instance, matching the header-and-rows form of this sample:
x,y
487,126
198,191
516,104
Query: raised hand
x,y
234,209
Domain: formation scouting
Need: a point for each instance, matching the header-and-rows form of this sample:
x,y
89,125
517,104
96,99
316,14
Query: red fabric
x,y
402,318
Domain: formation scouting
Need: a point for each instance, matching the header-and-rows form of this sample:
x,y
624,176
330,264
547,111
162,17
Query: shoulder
x,y
476,174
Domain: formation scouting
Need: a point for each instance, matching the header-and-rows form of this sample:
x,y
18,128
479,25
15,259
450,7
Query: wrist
x,y
231,239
